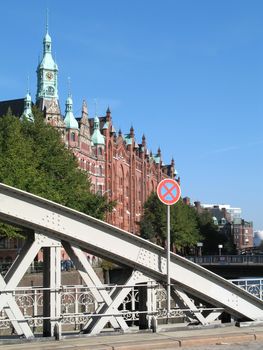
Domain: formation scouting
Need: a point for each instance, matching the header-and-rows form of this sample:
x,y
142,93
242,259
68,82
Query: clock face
x,y
49,75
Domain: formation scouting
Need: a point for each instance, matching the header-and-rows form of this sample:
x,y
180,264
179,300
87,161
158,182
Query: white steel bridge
x,y
200,294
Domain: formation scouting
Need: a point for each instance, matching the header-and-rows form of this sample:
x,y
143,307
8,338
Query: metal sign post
x,y
169,192
168,262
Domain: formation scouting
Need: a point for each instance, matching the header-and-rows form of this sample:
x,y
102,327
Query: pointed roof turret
x,y
108,114
84,107
47,61
27,114
143,140
69,120
47,72
131,131
157,157
97,138
84,112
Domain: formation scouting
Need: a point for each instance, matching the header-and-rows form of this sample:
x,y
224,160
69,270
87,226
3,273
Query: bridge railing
x,y
78,305
226,259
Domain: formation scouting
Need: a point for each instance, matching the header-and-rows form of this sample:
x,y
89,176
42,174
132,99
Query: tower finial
x,y
28,84
69,86
47,20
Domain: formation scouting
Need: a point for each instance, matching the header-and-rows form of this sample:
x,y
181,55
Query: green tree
x,y
184,226
153,223
213,236
33,158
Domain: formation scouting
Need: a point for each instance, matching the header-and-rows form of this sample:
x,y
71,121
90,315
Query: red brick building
x,y
118,165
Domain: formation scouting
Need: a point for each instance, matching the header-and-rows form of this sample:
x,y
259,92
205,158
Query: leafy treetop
x,y
34,158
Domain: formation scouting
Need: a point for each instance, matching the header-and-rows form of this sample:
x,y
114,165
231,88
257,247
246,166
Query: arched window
x,y
100,170
100,190
73,137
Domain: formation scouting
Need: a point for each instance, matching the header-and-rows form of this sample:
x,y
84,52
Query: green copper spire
x,y
27,114
47,71
70,121
97,138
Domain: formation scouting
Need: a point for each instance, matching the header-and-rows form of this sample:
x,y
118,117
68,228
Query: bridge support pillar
x,y
147,304
51,293
143,322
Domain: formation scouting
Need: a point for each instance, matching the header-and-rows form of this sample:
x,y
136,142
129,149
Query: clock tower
x,y
47,83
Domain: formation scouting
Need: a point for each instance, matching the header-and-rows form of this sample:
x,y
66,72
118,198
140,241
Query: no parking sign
x,y
168,191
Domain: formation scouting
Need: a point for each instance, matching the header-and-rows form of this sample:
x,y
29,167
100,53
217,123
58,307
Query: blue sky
x,y
188,74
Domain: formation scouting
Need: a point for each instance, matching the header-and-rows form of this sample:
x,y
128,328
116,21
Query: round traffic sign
x,y
168,191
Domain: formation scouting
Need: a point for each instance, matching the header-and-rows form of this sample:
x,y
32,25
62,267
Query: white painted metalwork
x,y
55,223
251,285
78,304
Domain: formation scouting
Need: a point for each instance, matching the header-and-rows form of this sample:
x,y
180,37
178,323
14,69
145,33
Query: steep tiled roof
x,y
17,107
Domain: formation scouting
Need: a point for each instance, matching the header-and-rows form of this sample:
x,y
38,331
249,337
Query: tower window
x,y
50,91
100,170
73,137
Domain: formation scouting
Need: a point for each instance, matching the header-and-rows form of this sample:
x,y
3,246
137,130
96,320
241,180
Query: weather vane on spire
x,y
28,83
69,86
96,106
47,21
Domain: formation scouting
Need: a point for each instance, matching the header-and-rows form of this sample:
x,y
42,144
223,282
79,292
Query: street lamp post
x,y
220,246
199,246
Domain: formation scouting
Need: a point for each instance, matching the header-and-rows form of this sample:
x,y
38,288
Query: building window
x,y
100,190
73,137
